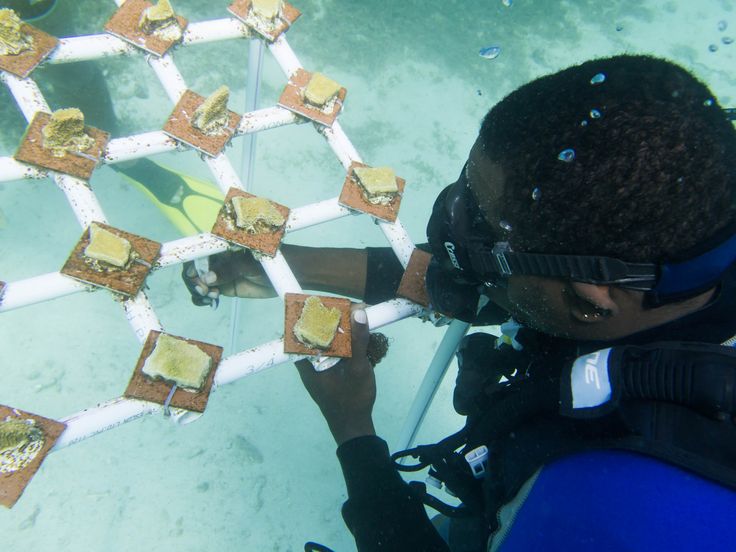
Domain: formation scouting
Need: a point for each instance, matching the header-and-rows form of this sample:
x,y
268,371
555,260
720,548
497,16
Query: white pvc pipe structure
x,y
138,310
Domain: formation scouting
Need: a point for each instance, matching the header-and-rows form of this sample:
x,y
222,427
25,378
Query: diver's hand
x,y
346,392
233,273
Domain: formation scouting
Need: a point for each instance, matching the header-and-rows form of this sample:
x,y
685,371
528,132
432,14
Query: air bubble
x,y
722,25
713,48
536,194
598,78
583,123
505,226
595,114
567,155
727,40
708,102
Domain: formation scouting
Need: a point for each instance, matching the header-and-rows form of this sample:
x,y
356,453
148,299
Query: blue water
x,y
258,471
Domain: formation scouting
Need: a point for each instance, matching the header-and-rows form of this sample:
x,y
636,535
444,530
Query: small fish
x,y
490,52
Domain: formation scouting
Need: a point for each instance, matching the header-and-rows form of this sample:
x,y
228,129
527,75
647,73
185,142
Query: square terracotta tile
x,y
292,99
18,466
268,30
23,64
267,243
341,345
179,126
80,164
124,25
127,280
145,388
352,197
413,285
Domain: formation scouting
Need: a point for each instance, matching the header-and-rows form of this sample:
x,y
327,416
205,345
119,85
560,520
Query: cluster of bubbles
x,y
726,40
567,155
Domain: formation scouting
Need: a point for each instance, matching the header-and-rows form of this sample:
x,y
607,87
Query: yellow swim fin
x,y
189,203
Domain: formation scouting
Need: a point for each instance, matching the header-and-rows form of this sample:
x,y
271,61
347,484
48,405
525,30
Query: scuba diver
x,y
595,220
189,203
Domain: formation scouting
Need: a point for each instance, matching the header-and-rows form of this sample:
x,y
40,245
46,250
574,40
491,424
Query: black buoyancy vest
x,y
673,401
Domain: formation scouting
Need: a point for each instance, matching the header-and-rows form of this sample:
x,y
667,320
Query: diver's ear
x,y
592,303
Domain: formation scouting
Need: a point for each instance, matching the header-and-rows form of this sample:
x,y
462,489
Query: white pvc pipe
x,y
316,213
102,417
280,275
170,77
266,119
81,199
214,31
10,169
251,361
399,239
284,55
39,289
223,172
26,94
141,316
391,311
431,382
137,146
113,413
83,48
340,144
189,249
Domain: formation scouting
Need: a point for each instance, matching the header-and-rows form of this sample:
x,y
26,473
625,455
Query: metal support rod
x,y
248,155
430,383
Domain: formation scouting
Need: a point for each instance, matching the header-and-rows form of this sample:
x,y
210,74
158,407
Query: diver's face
x,y
541,303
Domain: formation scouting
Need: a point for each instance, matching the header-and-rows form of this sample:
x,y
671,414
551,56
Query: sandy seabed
x,y
258,470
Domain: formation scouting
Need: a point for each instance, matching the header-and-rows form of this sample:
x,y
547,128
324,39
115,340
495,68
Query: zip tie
x,y
167,402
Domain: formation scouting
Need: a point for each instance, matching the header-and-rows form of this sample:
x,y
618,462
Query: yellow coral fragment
x,y
176,361
256,215
65,132
212,116
320,90
317,324
107,247
267,9
160,20
12,39
16,433
377,180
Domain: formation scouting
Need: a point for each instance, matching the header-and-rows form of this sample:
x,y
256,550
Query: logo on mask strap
x,y
450,248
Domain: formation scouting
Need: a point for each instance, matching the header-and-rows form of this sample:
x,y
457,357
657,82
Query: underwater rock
x,y
65,132
317,324
212,116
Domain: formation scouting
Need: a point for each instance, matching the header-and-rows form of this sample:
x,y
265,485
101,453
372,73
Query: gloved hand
x,y
232,273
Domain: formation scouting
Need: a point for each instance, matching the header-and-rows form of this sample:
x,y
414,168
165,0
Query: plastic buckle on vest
x,y
433,481
477,459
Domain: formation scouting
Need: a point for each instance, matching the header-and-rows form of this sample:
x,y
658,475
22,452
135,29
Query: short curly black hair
x,y
630,157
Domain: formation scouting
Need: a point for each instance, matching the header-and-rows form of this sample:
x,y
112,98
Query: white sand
x,y
258,471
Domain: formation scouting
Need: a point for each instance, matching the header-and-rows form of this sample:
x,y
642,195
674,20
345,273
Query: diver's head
x,y
598,196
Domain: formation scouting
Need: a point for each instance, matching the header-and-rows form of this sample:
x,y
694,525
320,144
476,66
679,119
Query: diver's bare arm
x,y
335,270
